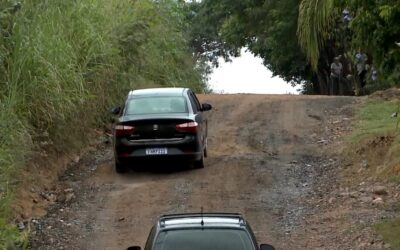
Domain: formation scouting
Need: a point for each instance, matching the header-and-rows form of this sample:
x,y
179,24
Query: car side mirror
x,y
266,247
134,248
116,110
206,107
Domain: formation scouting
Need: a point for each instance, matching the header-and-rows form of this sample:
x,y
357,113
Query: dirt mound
x,y
387,95
378,142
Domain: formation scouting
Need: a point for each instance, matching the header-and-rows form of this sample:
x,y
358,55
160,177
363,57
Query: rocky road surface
x,y
271,158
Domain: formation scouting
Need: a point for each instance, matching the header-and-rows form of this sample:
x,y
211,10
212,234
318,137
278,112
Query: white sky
x,y
247,74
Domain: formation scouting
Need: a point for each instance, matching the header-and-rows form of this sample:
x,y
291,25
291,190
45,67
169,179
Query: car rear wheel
x,y
120,168
199,163
205,150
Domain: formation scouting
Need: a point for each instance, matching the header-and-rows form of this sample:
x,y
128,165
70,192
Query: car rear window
x,y
204,239
156,105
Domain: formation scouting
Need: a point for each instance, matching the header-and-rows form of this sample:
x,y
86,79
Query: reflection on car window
x,y
156,105
204,239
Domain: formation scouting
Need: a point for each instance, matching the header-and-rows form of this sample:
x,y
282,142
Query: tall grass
x,y
64,63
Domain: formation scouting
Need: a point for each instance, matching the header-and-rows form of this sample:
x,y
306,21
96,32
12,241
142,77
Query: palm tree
x,y
316,20
316,23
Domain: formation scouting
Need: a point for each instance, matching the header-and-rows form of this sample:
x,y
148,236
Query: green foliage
x,y
63,64
376,31
374,120
390,231
276,40
266,28
11,237
274,30
395,179
204,20
161,46
316,21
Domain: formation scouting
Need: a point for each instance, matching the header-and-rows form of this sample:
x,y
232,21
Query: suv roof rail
x,y
168,217
160,90
183,215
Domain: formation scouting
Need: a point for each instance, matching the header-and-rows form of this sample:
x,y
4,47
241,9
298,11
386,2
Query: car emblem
x,y
155,127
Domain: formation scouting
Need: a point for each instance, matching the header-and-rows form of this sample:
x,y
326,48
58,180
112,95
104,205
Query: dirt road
x,y
266,154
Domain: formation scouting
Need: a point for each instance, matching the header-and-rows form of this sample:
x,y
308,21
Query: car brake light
x,y
190,127
123,130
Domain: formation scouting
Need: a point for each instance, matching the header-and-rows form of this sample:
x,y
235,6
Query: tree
x,y
376,31
204,20
316,22
372,29
266,28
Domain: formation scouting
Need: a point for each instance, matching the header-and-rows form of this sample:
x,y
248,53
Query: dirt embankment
x,y
272,158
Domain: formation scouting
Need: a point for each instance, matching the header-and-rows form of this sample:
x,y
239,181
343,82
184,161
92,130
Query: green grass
x,y
395,179
374,118
373,122
9,234
390,231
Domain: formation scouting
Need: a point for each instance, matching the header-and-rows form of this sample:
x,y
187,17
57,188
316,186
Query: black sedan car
x,y
160,124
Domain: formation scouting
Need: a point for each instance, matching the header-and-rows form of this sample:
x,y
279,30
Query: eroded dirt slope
x,y
266,156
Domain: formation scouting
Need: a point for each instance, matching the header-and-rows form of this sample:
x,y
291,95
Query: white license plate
x,y
156,151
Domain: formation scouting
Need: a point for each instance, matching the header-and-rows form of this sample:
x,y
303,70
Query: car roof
x,y
157,91
201,220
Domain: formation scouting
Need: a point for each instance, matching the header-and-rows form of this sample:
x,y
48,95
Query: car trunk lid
x,y
148,128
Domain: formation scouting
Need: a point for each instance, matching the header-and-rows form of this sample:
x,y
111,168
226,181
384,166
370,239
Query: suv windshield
x,y
204,239
156,105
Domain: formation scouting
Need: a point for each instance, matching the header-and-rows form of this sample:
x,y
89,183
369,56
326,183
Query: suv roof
x,y
157,91
231,220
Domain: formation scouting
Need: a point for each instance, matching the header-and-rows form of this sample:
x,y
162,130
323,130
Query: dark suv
x,y
160,124
208,231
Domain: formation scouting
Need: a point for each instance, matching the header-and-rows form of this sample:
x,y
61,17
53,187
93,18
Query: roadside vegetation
x,y
377,130
63,64
376,142
390,230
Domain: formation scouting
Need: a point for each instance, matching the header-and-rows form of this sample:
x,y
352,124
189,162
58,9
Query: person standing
x,y
336,77
361,68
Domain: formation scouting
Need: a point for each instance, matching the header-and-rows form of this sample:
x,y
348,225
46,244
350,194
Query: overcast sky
x,y
247,74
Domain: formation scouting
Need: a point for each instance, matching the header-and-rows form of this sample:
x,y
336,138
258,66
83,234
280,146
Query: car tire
x,y
120,168
199,163
205,149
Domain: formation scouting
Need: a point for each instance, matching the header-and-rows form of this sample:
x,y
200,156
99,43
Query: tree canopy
x,y
266,28
298,40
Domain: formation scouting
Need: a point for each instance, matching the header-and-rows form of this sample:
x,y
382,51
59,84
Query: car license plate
x,y
156,151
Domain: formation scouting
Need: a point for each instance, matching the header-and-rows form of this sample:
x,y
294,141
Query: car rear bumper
x,y
186,158
188,149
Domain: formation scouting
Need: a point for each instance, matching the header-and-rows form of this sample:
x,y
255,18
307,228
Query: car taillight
x,y
123,130
190,127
